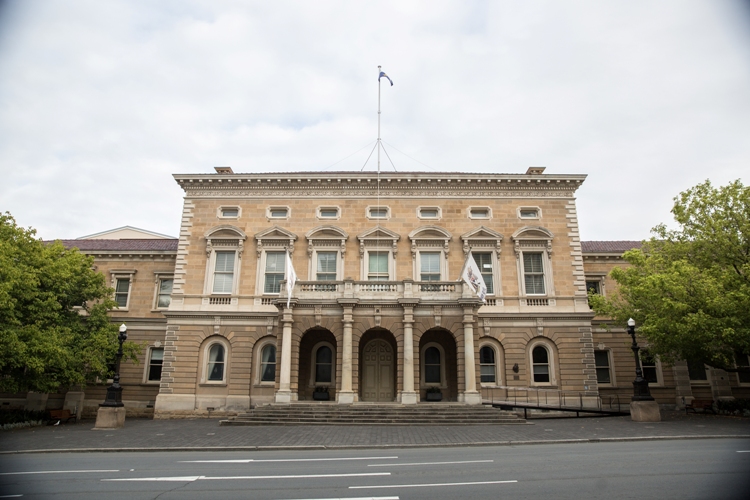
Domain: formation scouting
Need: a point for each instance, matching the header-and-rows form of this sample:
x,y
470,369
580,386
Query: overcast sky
x,y
101,101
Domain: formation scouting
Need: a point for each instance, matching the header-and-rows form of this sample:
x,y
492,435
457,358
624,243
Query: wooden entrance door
x,y
377,371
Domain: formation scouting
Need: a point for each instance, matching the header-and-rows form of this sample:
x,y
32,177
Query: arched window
x,y
216,363
323,365
268,363
487,365
540,361
432,365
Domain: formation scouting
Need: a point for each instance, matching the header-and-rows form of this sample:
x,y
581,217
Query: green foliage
x,y
689,289
54,328
733,405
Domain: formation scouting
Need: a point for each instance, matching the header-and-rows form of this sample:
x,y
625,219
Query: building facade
x,y
378,312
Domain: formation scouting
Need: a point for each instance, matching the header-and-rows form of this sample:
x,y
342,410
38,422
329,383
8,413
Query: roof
x,y
134,245
124,232
609,246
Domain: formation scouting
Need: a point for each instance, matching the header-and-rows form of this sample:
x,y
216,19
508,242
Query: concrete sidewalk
x,y
206,434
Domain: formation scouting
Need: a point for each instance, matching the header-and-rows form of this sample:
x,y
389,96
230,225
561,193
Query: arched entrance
x,y
378,367
317,364
438,364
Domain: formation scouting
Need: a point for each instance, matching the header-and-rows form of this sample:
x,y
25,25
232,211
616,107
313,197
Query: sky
x,y
102,101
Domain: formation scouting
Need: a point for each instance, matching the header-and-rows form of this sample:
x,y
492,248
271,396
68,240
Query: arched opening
x,y
377,366
317,364
438,364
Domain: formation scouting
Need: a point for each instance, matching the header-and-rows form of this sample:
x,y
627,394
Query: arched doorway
x,y
317,364
438,364
378,367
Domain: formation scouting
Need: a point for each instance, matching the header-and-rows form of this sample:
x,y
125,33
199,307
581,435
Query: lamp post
x,y
640,385
114,391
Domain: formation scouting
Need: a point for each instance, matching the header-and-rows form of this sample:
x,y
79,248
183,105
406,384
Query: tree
x,y
689,289
54,328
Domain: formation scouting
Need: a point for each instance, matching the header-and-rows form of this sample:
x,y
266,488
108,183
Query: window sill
x,y
212,384
265,384
152,383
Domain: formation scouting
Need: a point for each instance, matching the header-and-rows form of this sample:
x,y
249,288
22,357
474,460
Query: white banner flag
x,y
291,278
473,277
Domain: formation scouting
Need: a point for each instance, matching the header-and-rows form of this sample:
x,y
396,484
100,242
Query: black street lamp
x,y
640,384
114,391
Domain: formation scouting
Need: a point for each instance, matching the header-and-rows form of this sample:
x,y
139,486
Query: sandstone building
x,y
378,312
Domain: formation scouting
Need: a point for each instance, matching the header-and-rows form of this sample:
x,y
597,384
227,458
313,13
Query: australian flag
x,y
382,74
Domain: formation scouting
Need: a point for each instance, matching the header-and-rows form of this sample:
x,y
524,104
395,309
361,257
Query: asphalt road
x,y
680,469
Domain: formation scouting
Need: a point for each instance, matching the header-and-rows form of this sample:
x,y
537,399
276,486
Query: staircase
x,y
374,414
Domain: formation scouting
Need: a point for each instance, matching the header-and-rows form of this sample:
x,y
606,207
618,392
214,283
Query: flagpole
x,y
379,71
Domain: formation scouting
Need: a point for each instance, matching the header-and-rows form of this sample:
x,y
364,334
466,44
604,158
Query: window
x,y
697,370
479,213
540,364
328,212
122,290
275,269
215,368
432,367
378,212
528,213
223,272
155,361
533,273
229,212
743,364
484,263
323,365
164,296
601,360
277,212
649,367
594,286
377,265
268,363
487,367
429,267
326,268
429,213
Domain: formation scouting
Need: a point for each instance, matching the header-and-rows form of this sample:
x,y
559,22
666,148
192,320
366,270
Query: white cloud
x,y
100,102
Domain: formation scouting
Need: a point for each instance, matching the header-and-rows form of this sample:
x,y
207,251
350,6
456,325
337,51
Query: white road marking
x,y
248,460
16,496
432,463
224,478
743,451
427,485
350,498
54,472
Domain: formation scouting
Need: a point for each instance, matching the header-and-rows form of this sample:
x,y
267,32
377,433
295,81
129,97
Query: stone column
x,y
408,396
470,396
284,394
346,395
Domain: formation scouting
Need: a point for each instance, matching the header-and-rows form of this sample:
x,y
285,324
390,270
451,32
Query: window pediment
x,y
532,237
225,236
430,236
379,237
481,237
275,237
326,236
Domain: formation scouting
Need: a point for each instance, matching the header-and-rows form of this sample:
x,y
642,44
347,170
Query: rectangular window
x,y
326,270
122,288
328,213
594,286
223,272
275,268
379,213
377,266
479,213
429,213
533,273
601,359
484,263
697,370
230,212
165,293
648,365
743,364
155,362
278,212
528,213
429,266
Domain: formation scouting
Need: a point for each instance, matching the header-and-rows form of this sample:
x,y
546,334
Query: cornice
x,y
367,184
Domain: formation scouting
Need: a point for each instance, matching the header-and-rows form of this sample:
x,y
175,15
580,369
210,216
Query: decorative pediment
x,y
429,236
225,236
481,237
276,237
532,237
326,236
378,236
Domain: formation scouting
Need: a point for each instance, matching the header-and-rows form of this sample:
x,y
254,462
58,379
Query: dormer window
x,y
378,212
429,212
529,213
479,213
278,212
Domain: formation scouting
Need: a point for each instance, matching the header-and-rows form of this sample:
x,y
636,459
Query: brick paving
x,y
208,435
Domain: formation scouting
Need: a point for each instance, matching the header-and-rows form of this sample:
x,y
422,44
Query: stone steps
x,y
369,414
